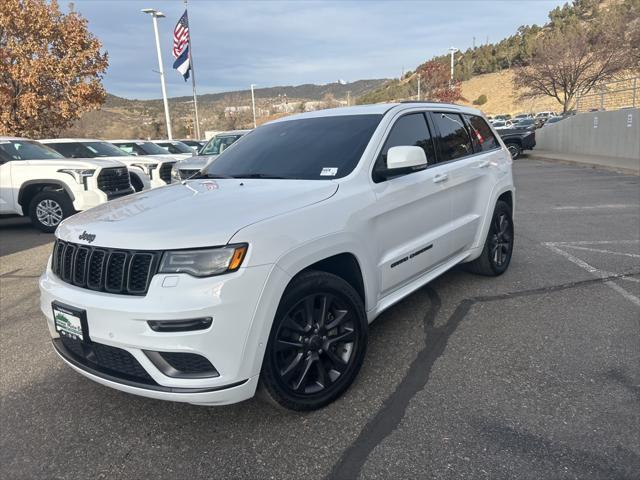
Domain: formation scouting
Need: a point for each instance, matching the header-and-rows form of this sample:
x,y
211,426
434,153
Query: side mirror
x,y
406,157
403,160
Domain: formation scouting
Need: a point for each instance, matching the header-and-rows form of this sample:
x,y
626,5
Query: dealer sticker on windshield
x,y
67,323
329,172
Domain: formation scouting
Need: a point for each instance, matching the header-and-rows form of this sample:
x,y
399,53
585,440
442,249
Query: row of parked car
x,y
50,179
525,121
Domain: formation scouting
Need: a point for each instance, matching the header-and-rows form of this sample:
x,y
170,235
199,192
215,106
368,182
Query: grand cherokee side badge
x,y
89,237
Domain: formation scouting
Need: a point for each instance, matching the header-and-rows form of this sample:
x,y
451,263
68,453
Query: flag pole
x,y
193,83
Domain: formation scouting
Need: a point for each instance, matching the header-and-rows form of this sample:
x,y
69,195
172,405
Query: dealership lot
x,y
535,374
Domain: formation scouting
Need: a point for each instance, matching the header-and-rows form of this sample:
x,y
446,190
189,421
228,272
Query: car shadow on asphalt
x,y
17,234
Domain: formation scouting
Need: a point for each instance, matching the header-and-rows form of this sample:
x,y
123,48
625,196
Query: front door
x,y
412,213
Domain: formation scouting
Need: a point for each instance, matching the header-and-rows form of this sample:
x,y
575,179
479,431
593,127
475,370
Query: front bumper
x,y
121,321
86,199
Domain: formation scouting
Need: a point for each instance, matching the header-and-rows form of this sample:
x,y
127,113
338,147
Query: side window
x,y
454,137
482,136
69,150
409,130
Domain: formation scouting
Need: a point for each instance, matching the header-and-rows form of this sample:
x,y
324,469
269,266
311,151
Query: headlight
x,y
146,167
78,173
175,174
205,262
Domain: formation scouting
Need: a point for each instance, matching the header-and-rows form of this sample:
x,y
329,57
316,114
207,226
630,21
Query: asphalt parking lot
x,y
535,374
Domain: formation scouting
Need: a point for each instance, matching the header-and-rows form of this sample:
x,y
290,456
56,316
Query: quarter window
x,y
455,141
409,130
482,136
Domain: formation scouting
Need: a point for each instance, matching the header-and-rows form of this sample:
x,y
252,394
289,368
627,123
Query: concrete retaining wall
x,y
605,134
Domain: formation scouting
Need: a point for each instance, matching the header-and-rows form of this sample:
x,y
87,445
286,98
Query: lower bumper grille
x,y
107,359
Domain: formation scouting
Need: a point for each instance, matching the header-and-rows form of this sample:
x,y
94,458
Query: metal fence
x,y
611,96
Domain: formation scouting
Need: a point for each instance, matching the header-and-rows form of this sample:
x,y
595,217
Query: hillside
x,y
130,118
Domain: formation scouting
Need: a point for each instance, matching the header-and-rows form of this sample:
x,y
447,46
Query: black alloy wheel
x,y
317,343
501,243
498,247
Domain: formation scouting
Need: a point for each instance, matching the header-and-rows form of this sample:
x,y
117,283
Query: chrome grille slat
x,y
125,272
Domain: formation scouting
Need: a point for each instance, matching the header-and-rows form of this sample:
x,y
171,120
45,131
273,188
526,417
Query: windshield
x,y
141,148
26,150
218,144
87,149
321,148
526,122
176,147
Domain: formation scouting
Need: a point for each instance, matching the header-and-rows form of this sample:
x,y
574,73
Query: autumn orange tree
x,y
435,83
51,68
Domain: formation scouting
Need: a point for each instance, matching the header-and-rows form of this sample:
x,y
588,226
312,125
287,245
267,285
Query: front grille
x,y
111,360
126,272
115,182
187,173
165,171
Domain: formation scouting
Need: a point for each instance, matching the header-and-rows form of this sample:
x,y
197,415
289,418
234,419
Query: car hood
x,y
89,163
197,162
192,214
162,158
131,159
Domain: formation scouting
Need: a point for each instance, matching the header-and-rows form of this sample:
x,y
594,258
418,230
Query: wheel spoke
x,y
292,368
325,302
309,311
338,363
291,324
346,337
339,318
282,345
322,374
305,371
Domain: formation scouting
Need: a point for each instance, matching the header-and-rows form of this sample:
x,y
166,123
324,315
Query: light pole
x,y
452,50
253,104
155,14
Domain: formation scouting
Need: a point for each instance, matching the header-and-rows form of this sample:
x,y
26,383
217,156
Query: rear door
x,y
412,214
472,153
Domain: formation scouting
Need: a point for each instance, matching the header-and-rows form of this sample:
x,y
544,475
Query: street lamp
x,y
452,50
253,104
155,14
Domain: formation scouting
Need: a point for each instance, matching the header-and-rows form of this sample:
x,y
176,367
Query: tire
x,y
48,208
515,150
317,343
498,246
136,183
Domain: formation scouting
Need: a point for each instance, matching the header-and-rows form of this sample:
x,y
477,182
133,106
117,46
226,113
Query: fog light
x,y
187,325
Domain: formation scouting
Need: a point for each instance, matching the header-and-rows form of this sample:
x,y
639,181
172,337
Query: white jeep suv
x,y
39,182
268,267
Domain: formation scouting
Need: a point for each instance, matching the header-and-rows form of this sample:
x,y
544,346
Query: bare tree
x,y
573,60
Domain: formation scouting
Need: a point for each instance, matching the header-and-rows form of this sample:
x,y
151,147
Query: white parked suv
x,y
215,146
151,151
267,268
141,169
38,182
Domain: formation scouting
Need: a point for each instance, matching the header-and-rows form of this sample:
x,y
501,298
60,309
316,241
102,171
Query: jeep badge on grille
x,y
89,237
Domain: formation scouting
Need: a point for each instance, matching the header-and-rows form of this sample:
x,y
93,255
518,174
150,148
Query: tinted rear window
x,y
320,148
454,138
483,137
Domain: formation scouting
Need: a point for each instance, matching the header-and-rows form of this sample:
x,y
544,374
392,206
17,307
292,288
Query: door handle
x,y
441,177
484,164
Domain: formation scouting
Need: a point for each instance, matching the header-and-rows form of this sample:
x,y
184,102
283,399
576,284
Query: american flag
x,y
181,35
181,46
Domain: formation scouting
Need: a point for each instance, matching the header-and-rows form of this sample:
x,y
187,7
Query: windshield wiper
x,y
259,175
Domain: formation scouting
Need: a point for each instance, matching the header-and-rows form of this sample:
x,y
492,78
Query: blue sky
x,y
272,43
